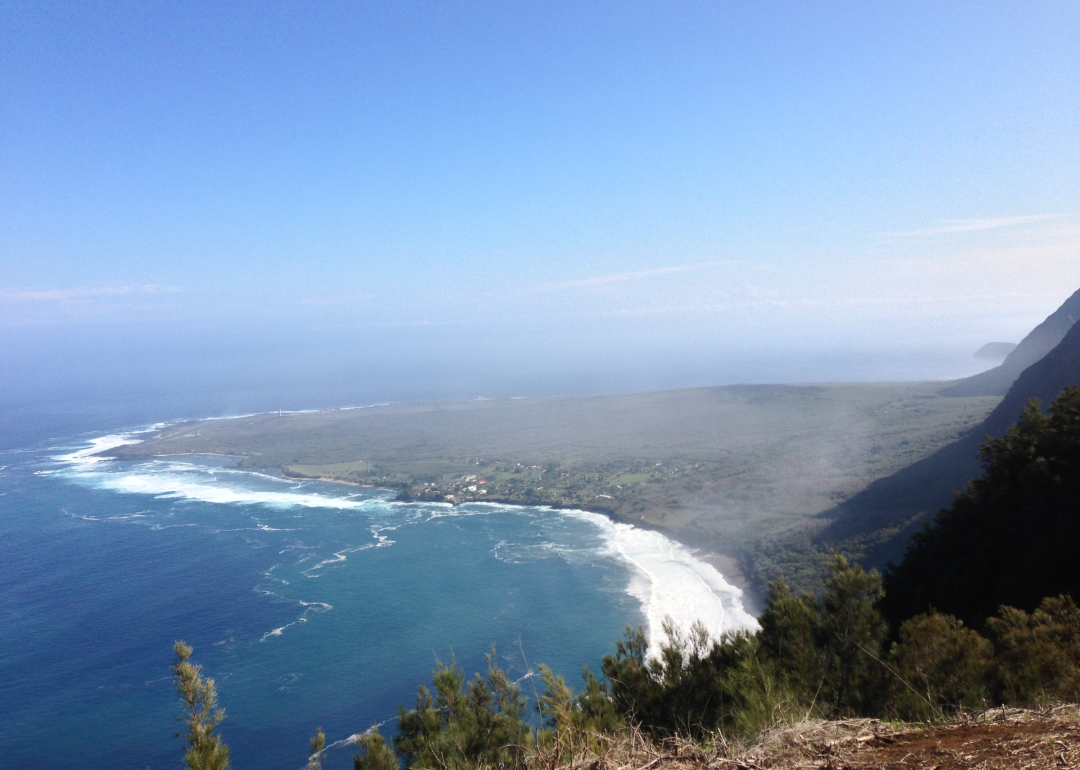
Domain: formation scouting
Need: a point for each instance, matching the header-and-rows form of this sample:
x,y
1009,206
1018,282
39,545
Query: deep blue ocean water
x,y
312,604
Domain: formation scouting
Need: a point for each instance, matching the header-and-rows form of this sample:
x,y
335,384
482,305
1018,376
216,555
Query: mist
x,y
97,376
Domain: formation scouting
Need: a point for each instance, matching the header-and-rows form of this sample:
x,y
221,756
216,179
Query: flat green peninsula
x,y
721,468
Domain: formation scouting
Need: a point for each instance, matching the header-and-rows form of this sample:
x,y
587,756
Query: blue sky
x,y
593,177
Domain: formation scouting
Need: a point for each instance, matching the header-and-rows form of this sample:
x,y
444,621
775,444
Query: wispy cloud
x,y
81,293
973,225
615,278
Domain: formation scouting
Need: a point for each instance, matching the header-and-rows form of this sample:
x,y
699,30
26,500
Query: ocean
x,y
312,604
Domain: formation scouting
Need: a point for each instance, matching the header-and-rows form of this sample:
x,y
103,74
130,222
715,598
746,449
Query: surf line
x,y
188,480
679,586
308,607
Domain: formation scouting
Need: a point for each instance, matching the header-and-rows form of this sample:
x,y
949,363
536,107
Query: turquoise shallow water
x,y
312,604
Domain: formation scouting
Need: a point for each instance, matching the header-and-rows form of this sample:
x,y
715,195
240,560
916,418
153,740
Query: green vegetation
x,y
824,658
810,656
464,725
318,746
205,750
374,753
1011,536
1038,652
940,665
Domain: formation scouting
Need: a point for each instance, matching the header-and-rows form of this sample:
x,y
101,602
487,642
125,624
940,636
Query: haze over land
x,y
769,478
718,467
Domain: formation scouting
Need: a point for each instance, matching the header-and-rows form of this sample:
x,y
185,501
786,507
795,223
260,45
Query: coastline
x,y
724,563
667,576
727,565
286,474
718,470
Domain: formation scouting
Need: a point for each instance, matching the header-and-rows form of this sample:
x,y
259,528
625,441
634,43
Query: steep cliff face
x,y
1042,339
1043,380
996,350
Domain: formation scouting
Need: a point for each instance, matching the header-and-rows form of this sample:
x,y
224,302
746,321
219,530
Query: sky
x,y
507,186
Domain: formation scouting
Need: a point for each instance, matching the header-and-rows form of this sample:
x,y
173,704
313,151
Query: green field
x,y
741,471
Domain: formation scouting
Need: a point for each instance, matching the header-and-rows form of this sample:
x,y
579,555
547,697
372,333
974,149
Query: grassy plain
x,y
733,470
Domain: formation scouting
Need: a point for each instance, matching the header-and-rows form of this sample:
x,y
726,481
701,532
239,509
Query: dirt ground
x,y
1001,738
1038,743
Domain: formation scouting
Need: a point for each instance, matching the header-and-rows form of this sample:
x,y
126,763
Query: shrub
x,y
205,750
942,666
758,693
851,633
464,726
374,753
790,630
1038,655
573,722
678,692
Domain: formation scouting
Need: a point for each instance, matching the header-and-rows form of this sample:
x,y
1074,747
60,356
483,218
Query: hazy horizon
x,y
235,206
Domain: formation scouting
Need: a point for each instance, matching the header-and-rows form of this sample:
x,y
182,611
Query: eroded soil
x,y
1018,740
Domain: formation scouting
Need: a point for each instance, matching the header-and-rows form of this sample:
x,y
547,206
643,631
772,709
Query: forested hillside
x,y
1011,537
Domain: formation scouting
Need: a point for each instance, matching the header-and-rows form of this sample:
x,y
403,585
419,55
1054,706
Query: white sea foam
x,y
182,485
670,582
339,556
85,456
381,541
350,741
308,607
277,631
176,479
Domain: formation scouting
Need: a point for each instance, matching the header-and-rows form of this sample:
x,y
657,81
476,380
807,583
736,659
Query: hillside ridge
x,y
1038,342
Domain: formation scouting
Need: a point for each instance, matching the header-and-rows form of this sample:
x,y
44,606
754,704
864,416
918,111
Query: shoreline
x,y
718,470
725,564
668,578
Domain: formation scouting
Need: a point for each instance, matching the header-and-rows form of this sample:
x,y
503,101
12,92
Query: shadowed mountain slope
x,y
1010,537
1043,380
900,502
1042,339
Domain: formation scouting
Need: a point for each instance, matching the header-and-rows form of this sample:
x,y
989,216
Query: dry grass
x,y
1024,739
